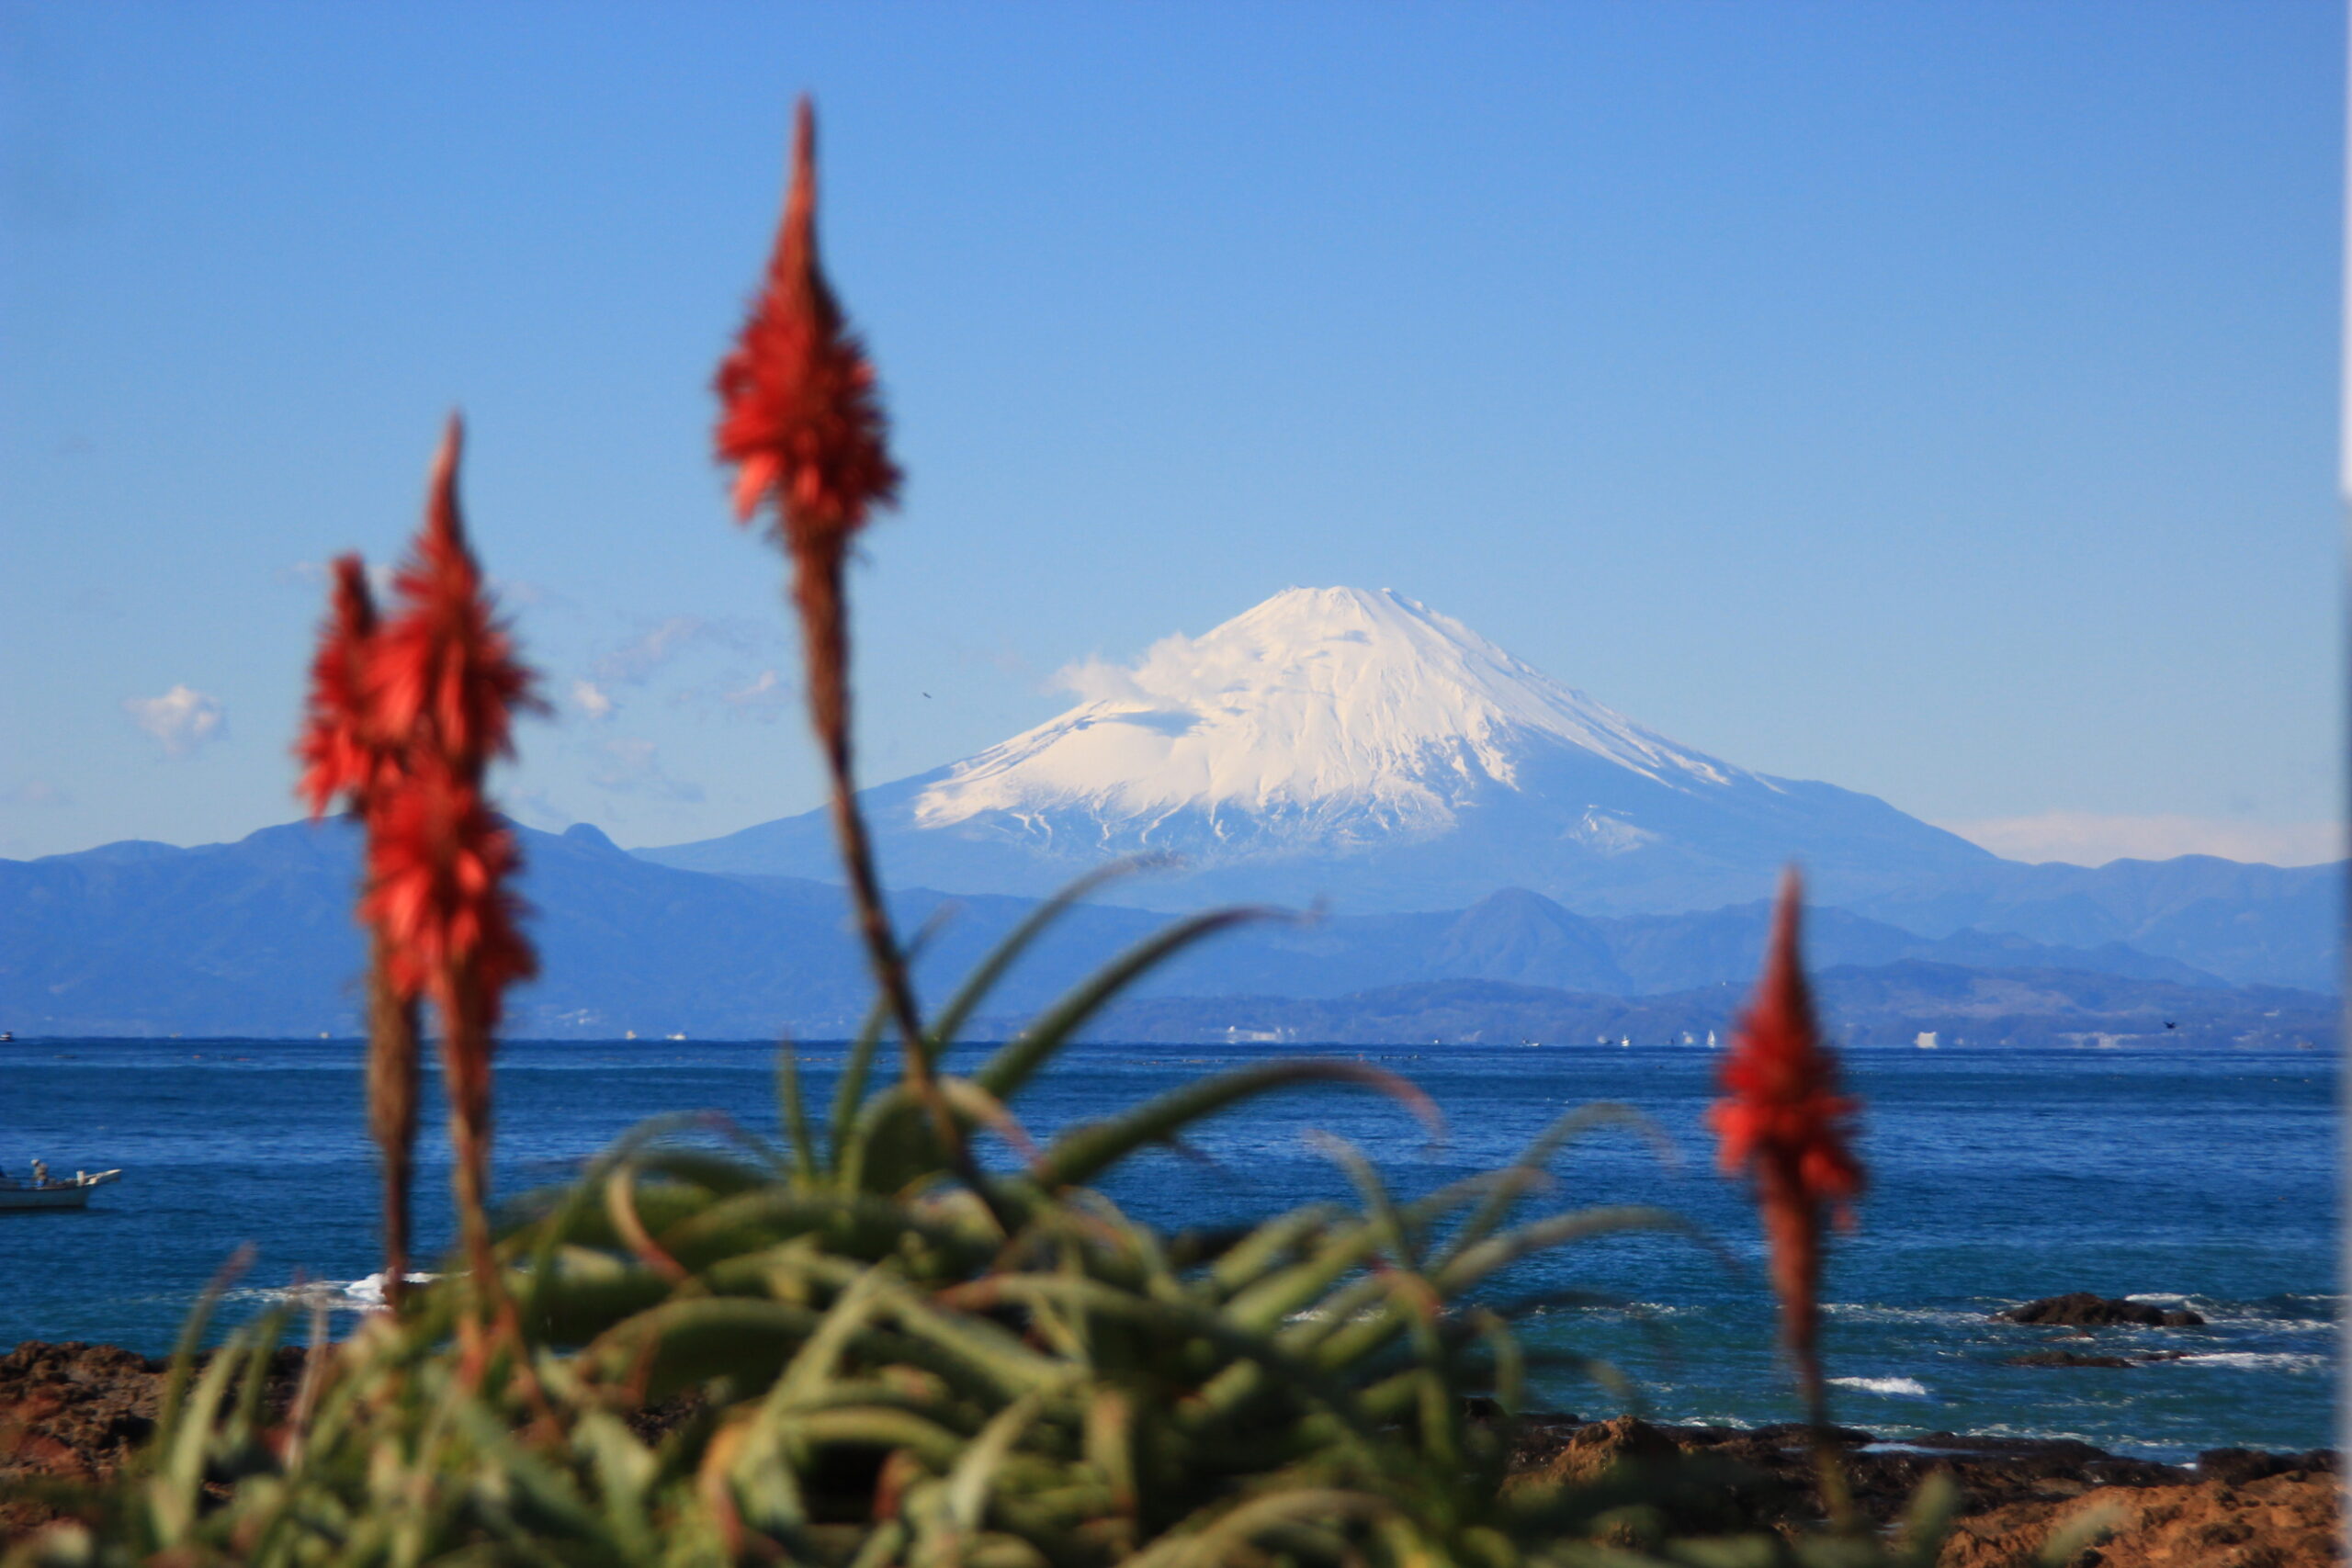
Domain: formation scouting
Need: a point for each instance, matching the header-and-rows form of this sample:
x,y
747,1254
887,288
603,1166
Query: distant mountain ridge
x,y
255,938
1891,1005
1472,822
1361,747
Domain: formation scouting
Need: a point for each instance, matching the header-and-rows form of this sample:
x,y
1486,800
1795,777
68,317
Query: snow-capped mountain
x,y
1325,717
1355,745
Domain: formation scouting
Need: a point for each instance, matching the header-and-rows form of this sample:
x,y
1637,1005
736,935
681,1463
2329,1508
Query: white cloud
x,y
35,792
1172,672
591,700
762,699
1097,680
536,807
2084,837
183,720
634,662
523,593
629,766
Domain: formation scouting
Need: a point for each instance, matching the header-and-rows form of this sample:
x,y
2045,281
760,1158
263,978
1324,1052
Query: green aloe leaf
x,y
936,1446
983,980
1528,1170
816,1362
975,1473
849,1093
192,1335
575,1205
1087,1150
1390,1227
856,1224
1012,1065
1271,1245
793,1113
1166,1320
175,1492
1217,1535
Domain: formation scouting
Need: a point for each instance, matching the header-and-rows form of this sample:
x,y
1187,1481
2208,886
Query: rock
x,y
1601,1446
2067,1358
2235,1467
2281,1522
73,1412
2080,1309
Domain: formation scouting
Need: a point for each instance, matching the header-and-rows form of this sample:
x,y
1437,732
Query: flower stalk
x,y
346,756
801,422
443,679
1784,1124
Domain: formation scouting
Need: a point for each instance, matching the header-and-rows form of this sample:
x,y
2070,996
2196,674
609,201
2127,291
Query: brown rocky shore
x,y
75,1412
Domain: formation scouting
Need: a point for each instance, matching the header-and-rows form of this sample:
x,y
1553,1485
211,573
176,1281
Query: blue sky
x,y
1939,400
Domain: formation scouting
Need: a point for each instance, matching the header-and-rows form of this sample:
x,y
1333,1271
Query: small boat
x,y
7,1037
73,1194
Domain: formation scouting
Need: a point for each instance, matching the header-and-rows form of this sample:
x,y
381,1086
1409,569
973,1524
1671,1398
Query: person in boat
x,y
40,1173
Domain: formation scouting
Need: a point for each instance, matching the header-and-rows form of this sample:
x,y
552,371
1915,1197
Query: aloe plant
x,y
827,1349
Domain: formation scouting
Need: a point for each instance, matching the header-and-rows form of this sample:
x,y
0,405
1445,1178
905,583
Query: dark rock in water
x,y
2080,1309
1490,1412
2067,1358
2237,1467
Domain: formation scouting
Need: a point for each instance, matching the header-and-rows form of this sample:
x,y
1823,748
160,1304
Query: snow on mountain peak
x,y
1321,704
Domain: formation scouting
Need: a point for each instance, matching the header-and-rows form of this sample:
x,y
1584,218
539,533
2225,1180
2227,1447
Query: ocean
x,y
2208,1181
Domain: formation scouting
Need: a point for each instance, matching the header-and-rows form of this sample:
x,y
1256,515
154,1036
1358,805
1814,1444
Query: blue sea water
x,y
1997,1177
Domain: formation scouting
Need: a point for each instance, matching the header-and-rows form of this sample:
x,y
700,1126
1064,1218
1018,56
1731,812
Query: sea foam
x,y
1889,1388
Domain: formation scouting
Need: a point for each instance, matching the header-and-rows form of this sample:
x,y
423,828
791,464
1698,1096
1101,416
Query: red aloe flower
x,y
1784,1123
799,419
438,864
346,753
340,747
444,673
443,676
799,416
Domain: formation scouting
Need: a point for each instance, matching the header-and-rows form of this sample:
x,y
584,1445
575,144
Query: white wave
x,y
2217,1313
2059,1435
1873,1312
364,1295
2254,1360
1889,1388
2281,1324
368,1290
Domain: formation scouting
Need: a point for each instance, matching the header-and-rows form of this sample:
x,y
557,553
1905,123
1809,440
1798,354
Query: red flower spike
x,y
444,674
1784,1123
1783,1107
339,753
438,864
444,679
800,420
799,416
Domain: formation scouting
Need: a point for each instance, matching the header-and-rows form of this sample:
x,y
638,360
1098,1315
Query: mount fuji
x,y
1358,747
